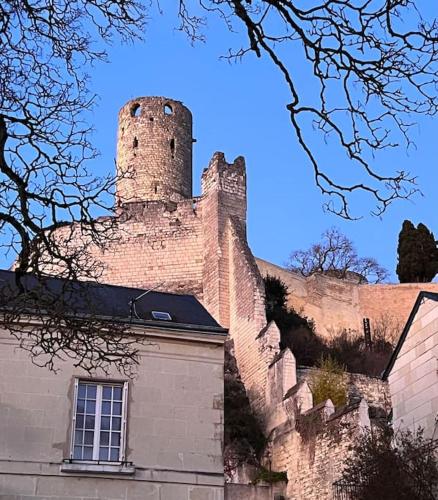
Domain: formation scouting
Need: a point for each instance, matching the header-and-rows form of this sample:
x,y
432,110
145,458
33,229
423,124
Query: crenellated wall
x,y
308,442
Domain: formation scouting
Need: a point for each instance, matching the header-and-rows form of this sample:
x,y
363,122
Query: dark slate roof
x,y
109,302
421,296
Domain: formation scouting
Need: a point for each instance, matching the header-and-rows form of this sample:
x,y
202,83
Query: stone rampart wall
x,y
336,304
373,389
311,443
248,492
314,462
158,244
255,343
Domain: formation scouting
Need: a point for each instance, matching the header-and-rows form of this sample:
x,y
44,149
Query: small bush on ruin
x,y
269,476
329,382
401,466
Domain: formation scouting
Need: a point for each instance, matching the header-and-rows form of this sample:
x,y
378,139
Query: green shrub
x,y
269,476
299,335
329,382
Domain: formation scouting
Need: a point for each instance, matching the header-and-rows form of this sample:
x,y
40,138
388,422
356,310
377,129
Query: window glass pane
x,y
105,423
116,423
89,437
117,408
89,422
107,401
78,437
81,406
115,439
106,392
91,407
106,408
81,391
117,393
79,421
91,391
104,438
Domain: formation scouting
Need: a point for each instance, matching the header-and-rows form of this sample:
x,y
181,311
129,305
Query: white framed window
x,y
99,421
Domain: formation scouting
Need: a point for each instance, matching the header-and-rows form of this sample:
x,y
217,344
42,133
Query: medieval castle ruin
x,y
174,241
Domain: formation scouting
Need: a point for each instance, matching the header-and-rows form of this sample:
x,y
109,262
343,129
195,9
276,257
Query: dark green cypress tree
x,y
417,254
427,244
407,267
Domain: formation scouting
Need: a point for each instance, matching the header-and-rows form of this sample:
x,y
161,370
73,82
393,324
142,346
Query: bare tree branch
x,y
375,66
48,199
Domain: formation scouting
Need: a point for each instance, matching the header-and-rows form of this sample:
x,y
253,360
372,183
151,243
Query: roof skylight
x,y
161,315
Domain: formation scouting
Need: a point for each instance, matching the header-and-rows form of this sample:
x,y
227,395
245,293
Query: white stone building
x,y
157,436
413,369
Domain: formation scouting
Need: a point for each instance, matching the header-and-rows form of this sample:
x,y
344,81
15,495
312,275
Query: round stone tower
x,y
154,150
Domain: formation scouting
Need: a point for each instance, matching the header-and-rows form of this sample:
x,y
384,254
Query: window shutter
x,y
75,404
123,436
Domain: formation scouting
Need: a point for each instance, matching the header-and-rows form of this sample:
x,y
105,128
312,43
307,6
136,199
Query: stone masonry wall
x,y
159,244
174,424
314,462
154,150
336,304
255,343
396,300
311,443
373,389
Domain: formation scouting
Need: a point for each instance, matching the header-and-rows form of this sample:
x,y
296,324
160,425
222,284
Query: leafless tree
x,y
387,328
397,465
371,66
47,196
374,63
336,255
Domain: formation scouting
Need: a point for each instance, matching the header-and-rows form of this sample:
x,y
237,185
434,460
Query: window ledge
x,y
90,468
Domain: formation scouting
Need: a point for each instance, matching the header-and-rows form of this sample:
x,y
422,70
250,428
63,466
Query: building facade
x,y
412,372
154,435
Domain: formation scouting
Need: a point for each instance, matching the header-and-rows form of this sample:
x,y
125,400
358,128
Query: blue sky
x,y
240,109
